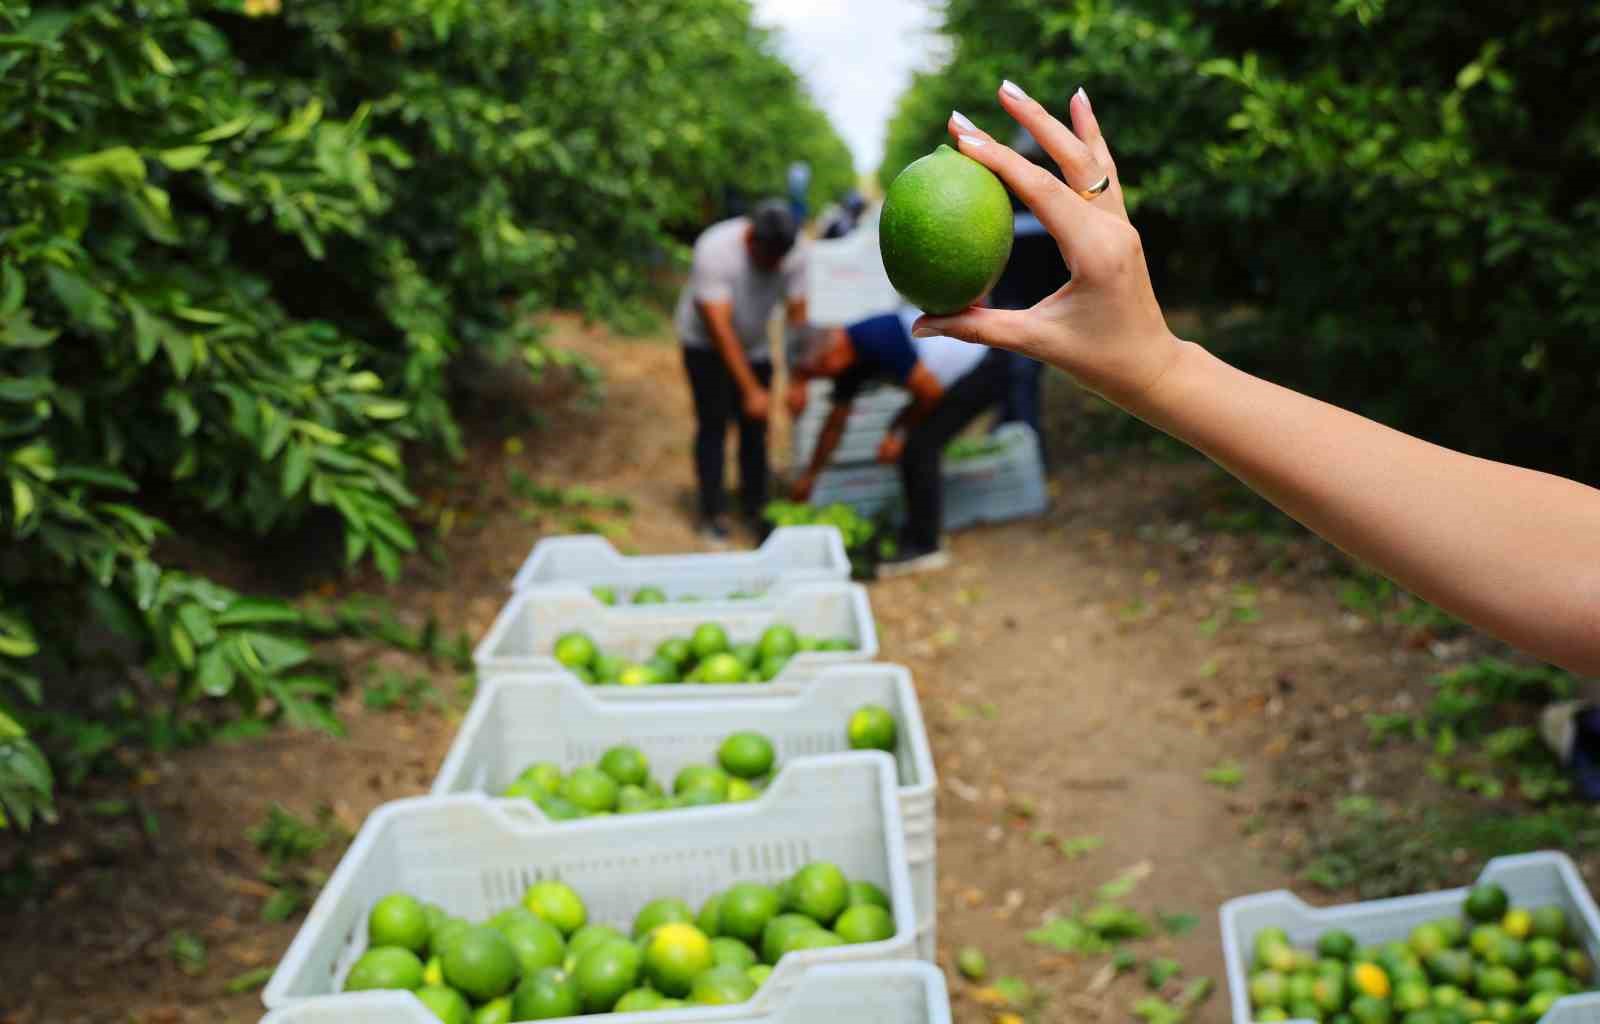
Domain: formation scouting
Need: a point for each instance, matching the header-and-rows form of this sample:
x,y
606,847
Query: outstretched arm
x,y
1512,551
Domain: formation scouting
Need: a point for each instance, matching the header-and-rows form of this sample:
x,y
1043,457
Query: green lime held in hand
x,y
945,231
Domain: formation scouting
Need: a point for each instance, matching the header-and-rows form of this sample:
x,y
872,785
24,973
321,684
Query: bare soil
x,y
1080,675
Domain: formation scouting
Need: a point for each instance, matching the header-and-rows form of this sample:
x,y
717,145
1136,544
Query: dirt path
x,y
1080,676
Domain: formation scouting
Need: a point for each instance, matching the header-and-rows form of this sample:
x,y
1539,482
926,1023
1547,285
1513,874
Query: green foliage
x,y
1402,192
243,243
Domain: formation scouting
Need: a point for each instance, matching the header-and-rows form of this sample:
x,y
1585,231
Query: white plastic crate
x,y
897,992
789,553
1008,484
521,638
516,720
1531,879
474,856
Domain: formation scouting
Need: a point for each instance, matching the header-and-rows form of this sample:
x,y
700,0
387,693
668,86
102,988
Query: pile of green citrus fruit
x,y
706,656
544,958
1498,965
652,594
620,782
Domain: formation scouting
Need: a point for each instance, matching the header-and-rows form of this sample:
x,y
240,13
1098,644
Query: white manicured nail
x,y
1013,90
971,140
1083,96
962,121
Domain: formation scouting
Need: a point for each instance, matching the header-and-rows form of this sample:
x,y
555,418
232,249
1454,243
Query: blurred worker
x,y
1034,272
842,218
951,383
743,268
799,185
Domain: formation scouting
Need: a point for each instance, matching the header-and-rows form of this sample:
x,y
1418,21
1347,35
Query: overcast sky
x,y
857,56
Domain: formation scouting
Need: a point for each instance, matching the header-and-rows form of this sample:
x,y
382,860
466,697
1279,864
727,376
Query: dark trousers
x,y
1022,396
1033,273
716,404
981,388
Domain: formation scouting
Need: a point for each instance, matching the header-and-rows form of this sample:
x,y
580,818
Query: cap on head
x,y
772,226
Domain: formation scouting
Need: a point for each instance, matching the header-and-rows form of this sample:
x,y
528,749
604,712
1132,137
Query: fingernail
x,y
1084,97
962,121
924,332
971,140
1012,89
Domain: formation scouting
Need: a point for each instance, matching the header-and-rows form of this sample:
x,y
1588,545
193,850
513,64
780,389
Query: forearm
x,y
827,442
732,353
1421,514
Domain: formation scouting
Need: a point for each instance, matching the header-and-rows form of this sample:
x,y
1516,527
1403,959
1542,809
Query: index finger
x,y
1062,211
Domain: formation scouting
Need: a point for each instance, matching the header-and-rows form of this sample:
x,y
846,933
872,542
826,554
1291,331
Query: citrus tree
x,y
241,245
1403,194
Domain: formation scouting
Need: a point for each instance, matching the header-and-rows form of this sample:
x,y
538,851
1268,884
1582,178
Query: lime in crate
x,y
901,992
520,727
818,624
1517,947
830,826
789,554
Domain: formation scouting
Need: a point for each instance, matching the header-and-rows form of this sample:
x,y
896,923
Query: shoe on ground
x,y
908,561
715,533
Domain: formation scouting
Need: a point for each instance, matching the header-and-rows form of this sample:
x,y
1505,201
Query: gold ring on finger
x,y
1095,189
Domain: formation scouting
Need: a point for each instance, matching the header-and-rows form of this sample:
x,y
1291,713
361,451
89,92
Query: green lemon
x,y
868,923
771,665
536,942
659,912
543,776
546,994
709,920
721,669
1576,963
1426,939
607,668
778,642
1550,923
1549,979
385,967
590,789
1497,982
1518,923
605,974
722,986
495,1011
588,937
775,937
1370,1010
638,1001
1544,952
559,808
1485,939
1503,1011
676,650
638,675
708,639
725,950
635,800
748,654
663,671
746,755
1486,902
739,791
1271,1015
445,1003
701,776
649,595
945,231
758,973
1336,945
1453,929
815,938
1448,997
557,903
575,650
626,765
1450,967
820,892
447,932
745,910
481,963
1268,988
1539,1004
873,728
674,955
866,892
398,920
605,595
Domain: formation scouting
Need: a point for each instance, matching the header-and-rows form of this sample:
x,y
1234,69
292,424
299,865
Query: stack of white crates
x,y
472,852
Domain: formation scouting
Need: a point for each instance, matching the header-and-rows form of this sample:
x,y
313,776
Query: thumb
x,y
1000,328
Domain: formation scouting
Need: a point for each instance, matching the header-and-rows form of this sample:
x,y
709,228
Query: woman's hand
x,y
1104,327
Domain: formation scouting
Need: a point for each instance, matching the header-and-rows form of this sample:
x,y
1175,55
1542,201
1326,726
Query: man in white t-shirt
x,y
743,268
